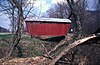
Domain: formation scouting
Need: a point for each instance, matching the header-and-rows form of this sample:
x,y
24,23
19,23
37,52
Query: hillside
x,y
3,29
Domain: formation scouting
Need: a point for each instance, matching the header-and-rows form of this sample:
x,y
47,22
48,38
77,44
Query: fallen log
x,y
61,43
70,46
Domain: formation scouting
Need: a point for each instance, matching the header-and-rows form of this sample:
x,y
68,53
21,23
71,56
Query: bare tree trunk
x,y
18,33
15,8
76,43
13,22
77,9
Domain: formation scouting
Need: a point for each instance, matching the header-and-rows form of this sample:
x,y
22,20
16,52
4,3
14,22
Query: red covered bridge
x,y
48,26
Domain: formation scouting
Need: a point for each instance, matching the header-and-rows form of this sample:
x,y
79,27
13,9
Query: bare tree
x,y
59,10
18,10
77,10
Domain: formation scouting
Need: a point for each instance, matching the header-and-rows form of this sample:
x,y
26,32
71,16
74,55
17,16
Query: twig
x,y
62,42
47,55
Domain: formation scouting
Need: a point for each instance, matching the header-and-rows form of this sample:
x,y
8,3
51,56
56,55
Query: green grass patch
x,y
28,46
5,36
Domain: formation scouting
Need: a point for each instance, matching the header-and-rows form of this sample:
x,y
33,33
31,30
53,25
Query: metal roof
x,y
49,20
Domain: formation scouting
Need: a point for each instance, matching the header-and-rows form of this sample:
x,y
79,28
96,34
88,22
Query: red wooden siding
x,y
49,29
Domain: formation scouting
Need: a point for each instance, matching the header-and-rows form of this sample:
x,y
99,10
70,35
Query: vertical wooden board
x,y
50,29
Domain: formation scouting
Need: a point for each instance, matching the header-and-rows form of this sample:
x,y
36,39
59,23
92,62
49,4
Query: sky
x,y
43,5
4,21
92,5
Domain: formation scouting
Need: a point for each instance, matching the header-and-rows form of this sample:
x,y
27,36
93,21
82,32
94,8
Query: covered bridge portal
x,y
48,26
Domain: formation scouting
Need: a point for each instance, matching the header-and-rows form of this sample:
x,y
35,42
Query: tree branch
x,y
76,43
